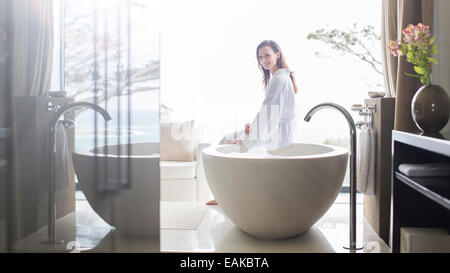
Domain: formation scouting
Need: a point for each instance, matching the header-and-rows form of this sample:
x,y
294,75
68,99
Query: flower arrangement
x,y
3,48
417,46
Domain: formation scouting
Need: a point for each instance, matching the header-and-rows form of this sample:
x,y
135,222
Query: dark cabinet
x,y
418,202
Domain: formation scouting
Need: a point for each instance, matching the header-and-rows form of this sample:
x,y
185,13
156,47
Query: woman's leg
x,y
211,203
233,136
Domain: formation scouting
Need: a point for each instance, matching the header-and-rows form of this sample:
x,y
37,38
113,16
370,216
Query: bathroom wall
x,y
32,121
441,29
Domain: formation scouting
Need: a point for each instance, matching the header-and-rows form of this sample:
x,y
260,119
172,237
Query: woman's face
x,y
267,58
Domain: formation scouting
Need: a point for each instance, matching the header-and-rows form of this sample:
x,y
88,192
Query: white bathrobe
x,y
273,126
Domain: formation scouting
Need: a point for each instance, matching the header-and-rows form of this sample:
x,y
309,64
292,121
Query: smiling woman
x,y
276,131
270,58
222,83
222,90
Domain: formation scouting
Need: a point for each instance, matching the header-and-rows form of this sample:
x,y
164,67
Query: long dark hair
x,y
281,62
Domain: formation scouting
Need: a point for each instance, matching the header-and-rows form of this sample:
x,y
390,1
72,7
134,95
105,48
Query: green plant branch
x,y
351,42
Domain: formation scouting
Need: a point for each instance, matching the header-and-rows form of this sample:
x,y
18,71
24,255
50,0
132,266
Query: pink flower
x,y
408,39
416,43
408,30
394,48
427,30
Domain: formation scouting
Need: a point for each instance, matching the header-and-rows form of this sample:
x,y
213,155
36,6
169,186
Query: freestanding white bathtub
x,y
276,194
133,211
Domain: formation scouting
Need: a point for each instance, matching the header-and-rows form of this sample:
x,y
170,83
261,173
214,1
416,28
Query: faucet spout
x,y
74,105
351,123
341,109
57,113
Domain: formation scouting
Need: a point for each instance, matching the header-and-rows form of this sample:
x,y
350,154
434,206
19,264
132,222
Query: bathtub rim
x,y
88,151
336,151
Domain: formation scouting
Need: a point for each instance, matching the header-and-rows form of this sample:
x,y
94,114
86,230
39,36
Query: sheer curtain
x,y
4,129
112,63
25,72
32,43
396,15
389,32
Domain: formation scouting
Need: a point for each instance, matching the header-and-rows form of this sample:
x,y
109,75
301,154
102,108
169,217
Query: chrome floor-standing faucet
x,y
351,123
57,113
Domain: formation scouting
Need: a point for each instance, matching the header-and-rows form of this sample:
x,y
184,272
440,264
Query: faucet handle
x,y
365,113
360,124
51,107
67,123
367,110
357,107
371,107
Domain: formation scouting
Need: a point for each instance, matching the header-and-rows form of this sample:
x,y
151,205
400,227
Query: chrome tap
x,y
351,123
57,112
367,112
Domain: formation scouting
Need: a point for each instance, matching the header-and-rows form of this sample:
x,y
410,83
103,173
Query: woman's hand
x,y
247,128
234,142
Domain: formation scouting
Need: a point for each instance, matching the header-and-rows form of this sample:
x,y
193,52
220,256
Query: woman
x,y
276,131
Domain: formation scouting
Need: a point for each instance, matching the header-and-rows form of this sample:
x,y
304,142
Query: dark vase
x,y
430,108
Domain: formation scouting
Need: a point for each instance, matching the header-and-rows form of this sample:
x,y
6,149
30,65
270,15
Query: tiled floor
x,y
84,230
217,234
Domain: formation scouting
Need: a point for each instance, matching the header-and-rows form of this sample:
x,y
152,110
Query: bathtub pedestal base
x,y
357,246
275,194
49,242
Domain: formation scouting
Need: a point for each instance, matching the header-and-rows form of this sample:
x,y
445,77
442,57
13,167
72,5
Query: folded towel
x,y
438,169
365,166
63,162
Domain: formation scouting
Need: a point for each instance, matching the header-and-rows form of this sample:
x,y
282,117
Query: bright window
x,y
209,68
104,40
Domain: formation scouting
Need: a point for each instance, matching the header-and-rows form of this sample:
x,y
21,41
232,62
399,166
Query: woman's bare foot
x,y
234,142
212,202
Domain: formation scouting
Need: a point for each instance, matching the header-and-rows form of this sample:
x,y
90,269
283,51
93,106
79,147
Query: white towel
x,y
63,161
365,161
439,169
